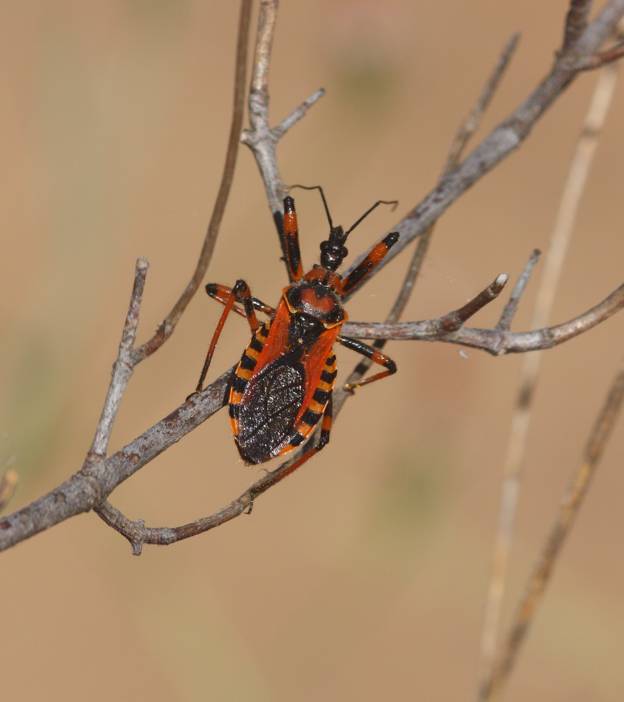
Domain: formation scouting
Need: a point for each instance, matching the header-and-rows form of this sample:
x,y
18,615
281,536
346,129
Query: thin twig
x,y
460,140
602,58
82,492
167,326
261,138
494,341
514,459
153,442
454,320
122,369
575,22
568,511
504,323
502,141
472,122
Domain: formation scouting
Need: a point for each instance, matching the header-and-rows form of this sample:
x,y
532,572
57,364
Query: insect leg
x,y
326,424
221,293
289,234
374,355
367,265
239,293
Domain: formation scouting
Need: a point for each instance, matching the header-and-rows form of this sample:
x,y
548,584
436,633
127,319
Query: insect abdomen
x,y
267,409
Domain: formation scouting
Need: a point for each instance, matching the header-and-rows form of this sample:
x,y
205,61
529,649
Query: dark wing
x,y
268,408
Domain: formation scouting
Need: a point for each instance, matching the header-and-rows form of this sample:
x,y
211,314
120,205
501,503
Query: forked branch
x,y
89,487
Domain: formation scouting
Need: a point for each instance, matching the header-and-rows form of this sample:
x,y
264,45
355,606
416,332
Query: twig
x,y
568,510
504,323
82,492
452,321
514,459
602,58
494,341
261,138
504,139
122,369
128,357
460,140
154,442
575,22
8,483
167,326
472,122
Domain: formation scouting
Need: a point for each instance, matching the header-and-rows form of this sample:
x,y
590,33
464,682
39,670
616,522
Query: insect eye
x,y
334,316
293,297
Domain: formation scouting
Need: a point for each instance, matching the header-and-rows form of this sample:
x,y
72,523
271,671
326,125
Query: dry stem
x,y
88,488
568,511
514,460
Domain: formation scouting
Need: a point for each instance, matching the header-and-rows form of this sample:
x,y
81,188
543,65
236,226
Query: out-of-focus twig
x,y
575,22
509,312
460,140
462,136
166,327
136,531
85,490
503,139
568,510
602,58
473,120
512,468
138,534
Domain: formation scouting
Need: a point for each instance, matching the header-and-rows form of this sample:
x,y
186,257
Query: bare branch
x,y
167,326
602,58
136,531
87,489
494,341
122,369
297,114
514,459
512,305
261,138
454,320
575,22
462,136
473,120
504,139
84,491
568,510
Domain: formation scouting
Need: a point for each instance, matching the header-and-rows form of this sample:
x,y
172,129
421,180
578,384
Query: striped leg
x,y
374,355
221,293
290,241
322,442
239,293
367,265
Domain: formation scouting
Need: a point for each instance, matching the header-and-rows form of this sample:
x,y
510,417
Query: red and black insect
x,y
282,387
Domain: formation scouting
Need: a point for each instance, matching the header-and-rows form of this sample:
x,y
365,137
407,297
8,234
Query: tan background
x,y
363,576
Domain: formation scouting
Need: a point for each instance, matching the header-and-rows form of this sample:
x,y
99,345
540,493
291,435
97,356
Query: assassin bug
x,y
282,387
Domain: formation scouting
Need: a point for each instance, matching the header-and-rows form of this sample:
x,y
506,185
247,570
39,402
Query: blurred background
x,y
364,574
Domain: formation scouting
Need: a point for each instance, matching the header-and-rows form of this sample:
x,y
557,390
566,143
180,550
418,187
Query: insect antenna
x,y
325,205
333,250
394,204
